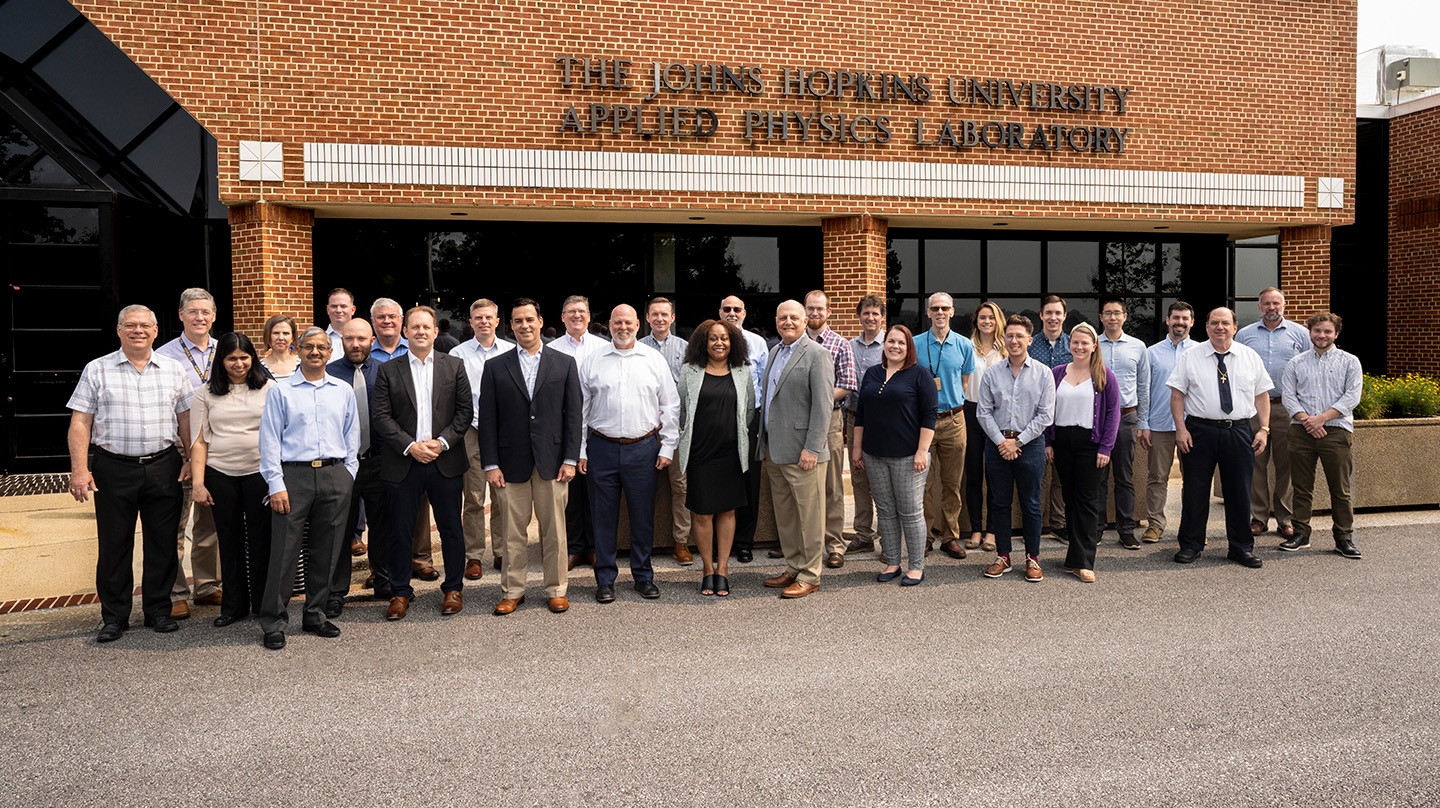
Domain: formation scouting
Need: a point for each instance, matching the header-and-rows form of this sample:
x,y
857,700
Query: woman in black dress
x,y
716,398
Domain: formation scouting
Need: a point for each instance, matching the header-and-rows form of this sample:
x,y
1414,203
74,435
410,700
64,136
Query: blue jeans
x,y
1023,474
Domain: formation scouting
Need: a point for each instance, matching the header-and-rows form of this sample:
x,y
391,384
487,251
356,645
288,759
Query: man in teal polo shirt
x,y
950,358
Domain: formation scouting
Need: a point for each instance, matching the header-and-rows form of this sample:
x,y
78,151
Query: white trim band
x,y
691,173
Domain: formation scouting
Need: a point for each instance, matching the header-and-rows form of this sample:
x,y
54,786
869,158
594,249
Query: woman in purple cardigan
x,y
1079,443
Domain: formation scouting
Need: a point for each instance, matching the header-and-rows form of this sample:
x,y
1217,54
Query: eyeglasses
x,y
198,312
736,309
137,326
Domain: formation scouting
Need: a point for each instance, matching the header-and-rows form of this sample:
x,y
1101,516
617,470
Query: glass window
x,y
902,260
952,265
25,25
1082,309
1255,269
1013,267
170,157
55,225
664,266
964,318
907,312
103,85
1171,260
1073,266
78,264
757,261
1130,267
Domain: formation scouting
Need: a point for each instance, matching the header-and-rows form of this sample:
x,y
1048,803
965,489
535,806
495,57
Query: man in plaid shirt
x,y
817,316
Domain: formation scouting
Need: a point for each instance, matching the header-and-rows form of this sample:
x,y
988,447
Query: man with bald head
x,y
798,395
631,416
732,310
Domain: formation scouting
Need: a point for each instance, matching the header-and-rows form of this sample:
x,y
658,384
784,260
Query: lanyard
x,y
930,356
209,360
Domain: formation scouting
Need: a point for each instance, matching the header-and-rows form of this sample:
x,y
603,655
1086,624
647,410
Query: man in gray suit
x,y
798,394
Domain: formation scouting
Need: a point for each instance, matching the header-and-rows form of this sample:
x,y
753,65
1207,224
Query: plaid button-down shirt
x,y
839,349
135,411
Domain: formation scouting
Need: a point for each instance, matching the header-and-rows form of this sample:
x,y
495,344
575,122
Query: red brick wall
x,y
1414,242
460,73
271,265
1305,270
854,256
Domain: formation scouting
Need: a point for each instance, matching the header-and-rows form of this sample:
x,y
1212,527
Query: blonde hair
x,y
1097,359
998,336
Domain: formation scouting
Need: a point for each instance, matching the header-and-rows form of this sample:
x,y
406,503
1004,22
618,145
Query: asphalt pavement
x,y
1311,682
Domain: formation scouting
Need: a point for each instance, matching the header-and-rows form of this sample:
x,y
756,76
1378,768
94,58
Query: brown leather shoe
x,y
1257,527
775,553
474,569
590,560
858,545
180,610
835,561
558,605
780,581
799,589
398,608
509,605
212,599
953,549
573,562
452,603
427,573
357,547
682,555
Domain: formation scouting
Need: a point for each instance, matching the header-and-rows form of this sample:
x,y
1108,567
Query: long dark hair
x,y
229,343
696,353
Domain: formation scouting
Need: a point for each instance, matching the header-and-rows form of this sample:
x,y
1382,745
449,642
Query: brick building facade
x,y
1414,260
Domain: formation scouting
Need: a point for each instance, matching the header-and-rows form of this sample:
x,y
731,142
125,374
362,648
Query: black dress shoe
x,y
224,620
1347,548
647,589
325,629
334,607
604,594
1186,555
1296,542
744,556
1129,542
163,624
274,640
1245,559
110,632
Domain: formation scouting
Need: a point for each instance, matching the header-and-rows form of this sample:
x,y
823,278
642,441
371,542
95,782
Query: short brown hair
x,y
270,326
1324,317
814,292
667,301
484,303
340,290
870,302
414,310
1048,299
1022,321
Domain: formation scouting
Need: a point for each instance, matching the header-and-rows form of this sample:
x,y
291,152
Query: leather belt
x,y
948,413
137,460
1225,423
597,433
375,451
314,464
1127,410
1010,433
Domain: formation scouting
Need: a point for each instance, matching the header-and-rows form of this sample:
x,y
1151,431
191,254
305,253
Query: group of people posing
x,y
261,457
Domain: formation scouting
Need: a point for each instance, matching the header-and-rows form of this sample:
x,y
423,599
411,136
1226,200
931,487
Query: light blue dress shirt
x,y
1162,357
1023,402
1126,357
950,362
782,355
758,350
384,355
305,420
1277,347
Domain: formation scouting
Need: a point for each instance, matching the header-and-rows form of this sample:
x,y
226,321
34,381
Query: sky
x,y
1399,22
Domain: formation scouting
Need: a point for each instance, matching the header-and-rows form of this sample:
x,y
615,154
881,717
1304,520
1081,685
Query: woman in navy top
x,y
1080,441
894,424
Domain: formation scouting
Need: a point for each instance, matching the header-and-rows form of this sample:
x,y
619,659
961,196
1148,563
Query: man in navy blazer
x,y
529,436
358,369
422,409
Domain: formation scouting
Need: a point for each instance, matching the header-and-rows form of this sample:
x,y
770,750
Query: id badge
x,y
939,388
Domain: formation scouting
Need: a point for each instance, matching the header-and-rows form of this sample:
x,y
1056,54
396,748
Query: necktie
x,y
362,406
1227,403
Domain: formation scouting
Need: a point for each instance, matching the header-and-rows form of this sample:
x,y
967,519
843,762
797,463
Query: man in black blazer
x,y
529,431
422,409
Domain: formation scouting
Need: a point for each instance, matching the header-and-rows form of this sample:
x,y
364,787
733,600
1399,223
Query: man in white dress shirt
x,y
1215,390
660,314
578,343
484,321
631,412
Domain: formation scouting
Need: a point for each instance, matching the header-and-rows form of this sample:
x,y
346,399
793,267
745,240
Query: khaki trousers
x,y
545,500
679,514
943,480
472,517
798,497
1157,481
204,549
1279,499
834,472
1335,452
860,486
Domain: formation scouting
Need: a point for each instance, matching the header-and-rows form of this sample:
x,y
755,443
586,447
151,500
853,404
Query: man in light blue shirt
x,y
732,310
387,318
1277,340
1126,357
1157,424
950,359
309,455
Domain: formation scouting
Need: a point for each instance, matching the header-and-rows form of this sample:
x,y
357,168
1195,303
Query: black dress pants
x,y
1075,455
126,489
579,522
1230,451
446,496
368,499
242,528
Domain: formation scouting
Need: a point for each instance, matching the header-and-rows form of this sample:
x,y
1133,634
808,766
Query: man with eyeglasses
x,y
487,344
950,358
1127,357
732,310
578,343
194,349
132,407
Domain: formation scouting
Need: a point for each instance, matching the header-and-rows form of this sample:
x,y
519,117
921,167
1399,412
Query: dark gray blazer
x,y
393,417
799,415
521,435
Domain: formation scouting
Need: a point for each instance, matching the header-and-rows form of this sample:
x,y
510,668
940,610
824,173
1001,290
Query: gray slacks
x,y
321,497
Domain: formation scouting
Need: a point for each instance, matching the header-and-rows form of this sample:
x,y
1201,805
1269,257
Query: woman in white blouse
x,y
225,466
279,338
986,336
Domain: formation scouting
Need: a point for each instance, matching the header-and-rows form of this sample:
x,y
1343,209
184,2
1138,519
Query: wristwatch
x,y
1266,428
